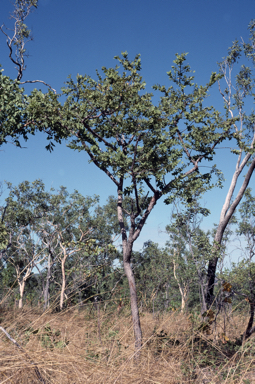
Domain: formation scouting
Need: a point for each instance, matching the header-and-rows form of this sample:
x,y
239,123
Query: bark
x,y
22,282
47,285
63,286
182,288
227,212
203,301
250,329
127,245
133,300
21,292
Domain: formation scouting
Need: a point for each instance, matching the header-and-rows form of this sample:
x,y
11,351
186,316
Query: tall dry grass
x,y
92,346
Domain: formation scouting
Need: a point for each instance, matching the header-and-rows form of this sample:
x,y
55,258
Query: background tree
x,y
236,97
242,274
189,247
26,205
153,270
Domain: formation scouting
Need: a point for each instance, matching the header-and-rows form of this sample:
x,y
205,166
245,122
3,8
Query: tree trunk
x,y
203,303
47,285
127,245
134,304
63,287
211,273
183,289
21,293
184,294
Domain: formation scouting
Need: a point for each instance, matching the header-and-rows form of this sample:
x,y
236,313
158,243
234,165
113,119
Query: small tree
x,y
135,143
26,205
190,248
68,229
236,99
246,270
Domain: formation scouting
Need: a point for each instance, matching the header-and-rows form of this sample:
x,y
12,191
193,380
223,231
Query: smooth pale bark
x,y
63,259
183,288
227,212
47,285
22,282
63,285
21,292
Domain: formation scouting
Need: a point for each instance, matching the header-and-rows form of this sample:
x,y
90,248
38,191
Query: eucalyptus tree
x,y
26,205
21,34
80,242
237,96
67,229
190,249
244,273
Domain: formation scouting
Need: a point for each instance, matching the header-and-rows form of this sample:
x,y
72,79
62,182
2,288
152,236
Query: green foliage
x,y
3,236
13,123
49,338
114,120
189,248
39,222
238,96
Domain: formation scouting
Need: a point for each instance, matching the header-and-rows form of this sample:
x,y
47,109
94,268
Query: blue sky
x,y
80,36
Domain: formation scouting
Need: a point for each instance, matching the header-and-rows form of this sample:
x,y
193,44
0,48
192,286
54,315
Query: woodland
x,y
75,307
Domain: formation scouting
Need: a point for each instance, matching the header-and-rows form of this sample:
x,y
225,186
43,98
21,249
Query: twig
x,y
39,81
38,374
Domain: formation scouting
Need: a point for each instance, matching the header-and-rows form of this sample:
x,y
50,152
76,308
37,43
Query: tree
x,y
190,248
135,143
246,269
74,231
14,122
153,270
26,205
236,99
78,239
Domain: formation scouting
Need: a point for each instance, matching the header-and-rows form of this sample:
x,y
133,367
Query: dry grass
x,y
80,347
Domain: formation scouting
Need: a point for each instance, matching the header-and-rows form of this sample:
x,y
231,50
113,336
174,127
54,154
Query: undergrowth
x,y
89,346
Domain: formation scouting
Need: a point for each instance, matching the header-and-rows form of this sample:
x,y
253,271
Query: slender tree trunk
x,y
63,286
47,285
203,304
183,289
21,292
250,329
166,301
184,294
127,245
212,265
